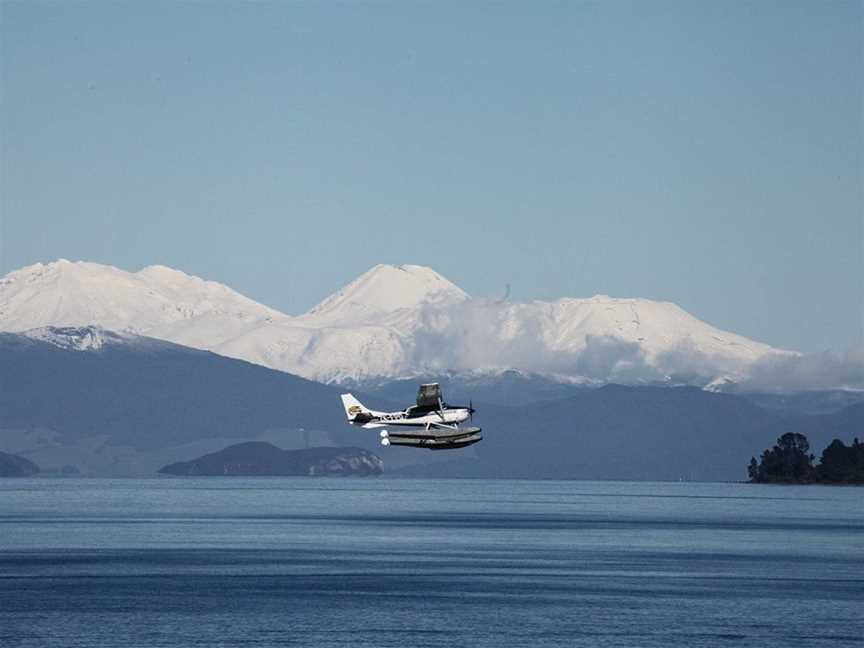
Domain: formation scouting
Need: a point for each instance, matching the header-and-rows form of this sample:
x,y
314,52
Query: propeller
x,y
471,411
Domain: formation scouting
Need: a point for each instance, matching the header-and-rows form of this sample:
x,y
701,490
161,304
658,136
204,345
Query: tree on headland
x,y
842,464
753,470
790,462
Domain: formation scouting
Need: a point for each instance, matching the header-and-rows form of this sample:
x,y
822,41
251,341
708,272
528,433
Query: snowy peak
x,y
385,289
67,294
83,338
658,326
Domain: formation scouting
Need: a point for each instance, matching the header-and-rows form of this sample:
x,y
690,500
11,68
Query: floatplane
x,y
431,423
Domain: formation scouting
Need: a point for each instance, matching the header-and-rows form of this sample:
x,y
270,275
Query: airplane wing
x,y
429,395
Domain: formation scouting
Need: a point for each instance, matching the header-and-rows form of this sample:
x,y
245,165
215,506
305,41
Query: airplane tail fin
x,y
353,407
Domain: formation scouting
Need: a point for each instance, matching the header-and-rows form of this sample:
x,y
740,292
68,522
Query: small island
x,y
790,462
14,466
258,459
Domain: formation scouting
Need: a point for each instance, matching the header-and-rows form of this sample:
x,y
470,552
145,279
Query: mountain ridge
x,y
390,322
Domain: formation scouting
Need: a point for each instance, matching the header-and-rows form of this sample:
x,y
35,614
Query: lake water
x,y
388,562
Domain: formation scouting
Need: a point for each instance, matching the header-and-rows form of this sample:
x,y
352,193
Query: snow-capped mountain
x,y
158,301
392,321
385,294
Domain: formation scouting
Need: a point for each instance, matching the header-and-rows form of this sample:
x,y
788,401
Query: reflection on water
x,y
381,562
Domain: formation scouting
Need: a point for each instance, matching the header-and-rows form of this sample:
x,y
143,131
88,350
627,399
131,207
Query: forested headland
x,y
791,462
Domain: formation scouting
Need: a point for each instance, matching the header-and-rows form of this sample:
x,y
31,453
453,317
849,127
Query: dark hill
x,y
14,466
131,407
256,458
147,392
619,432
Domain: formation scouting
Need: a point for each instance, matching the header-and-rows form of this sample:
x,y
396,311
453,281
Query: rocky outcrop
x,y
15,466
257,458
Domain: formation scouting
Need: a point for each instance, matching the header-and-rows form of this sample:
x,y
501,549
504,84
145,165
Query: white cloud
x,y
815,371
486,334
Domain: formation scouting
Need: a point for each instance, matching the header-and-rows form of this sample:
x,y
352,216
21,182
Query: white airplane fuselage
x,y
426,425
405,418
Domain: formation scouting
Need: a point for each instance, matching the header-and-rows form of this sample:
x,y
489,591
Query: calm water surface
x,y
386,562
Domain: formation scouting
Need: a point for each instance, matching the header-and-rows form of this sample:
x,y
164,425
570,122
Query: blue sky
x,y
704,153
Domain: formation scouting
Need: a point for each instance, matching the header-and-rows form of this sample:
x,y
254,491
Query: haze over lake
x,y
393,562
